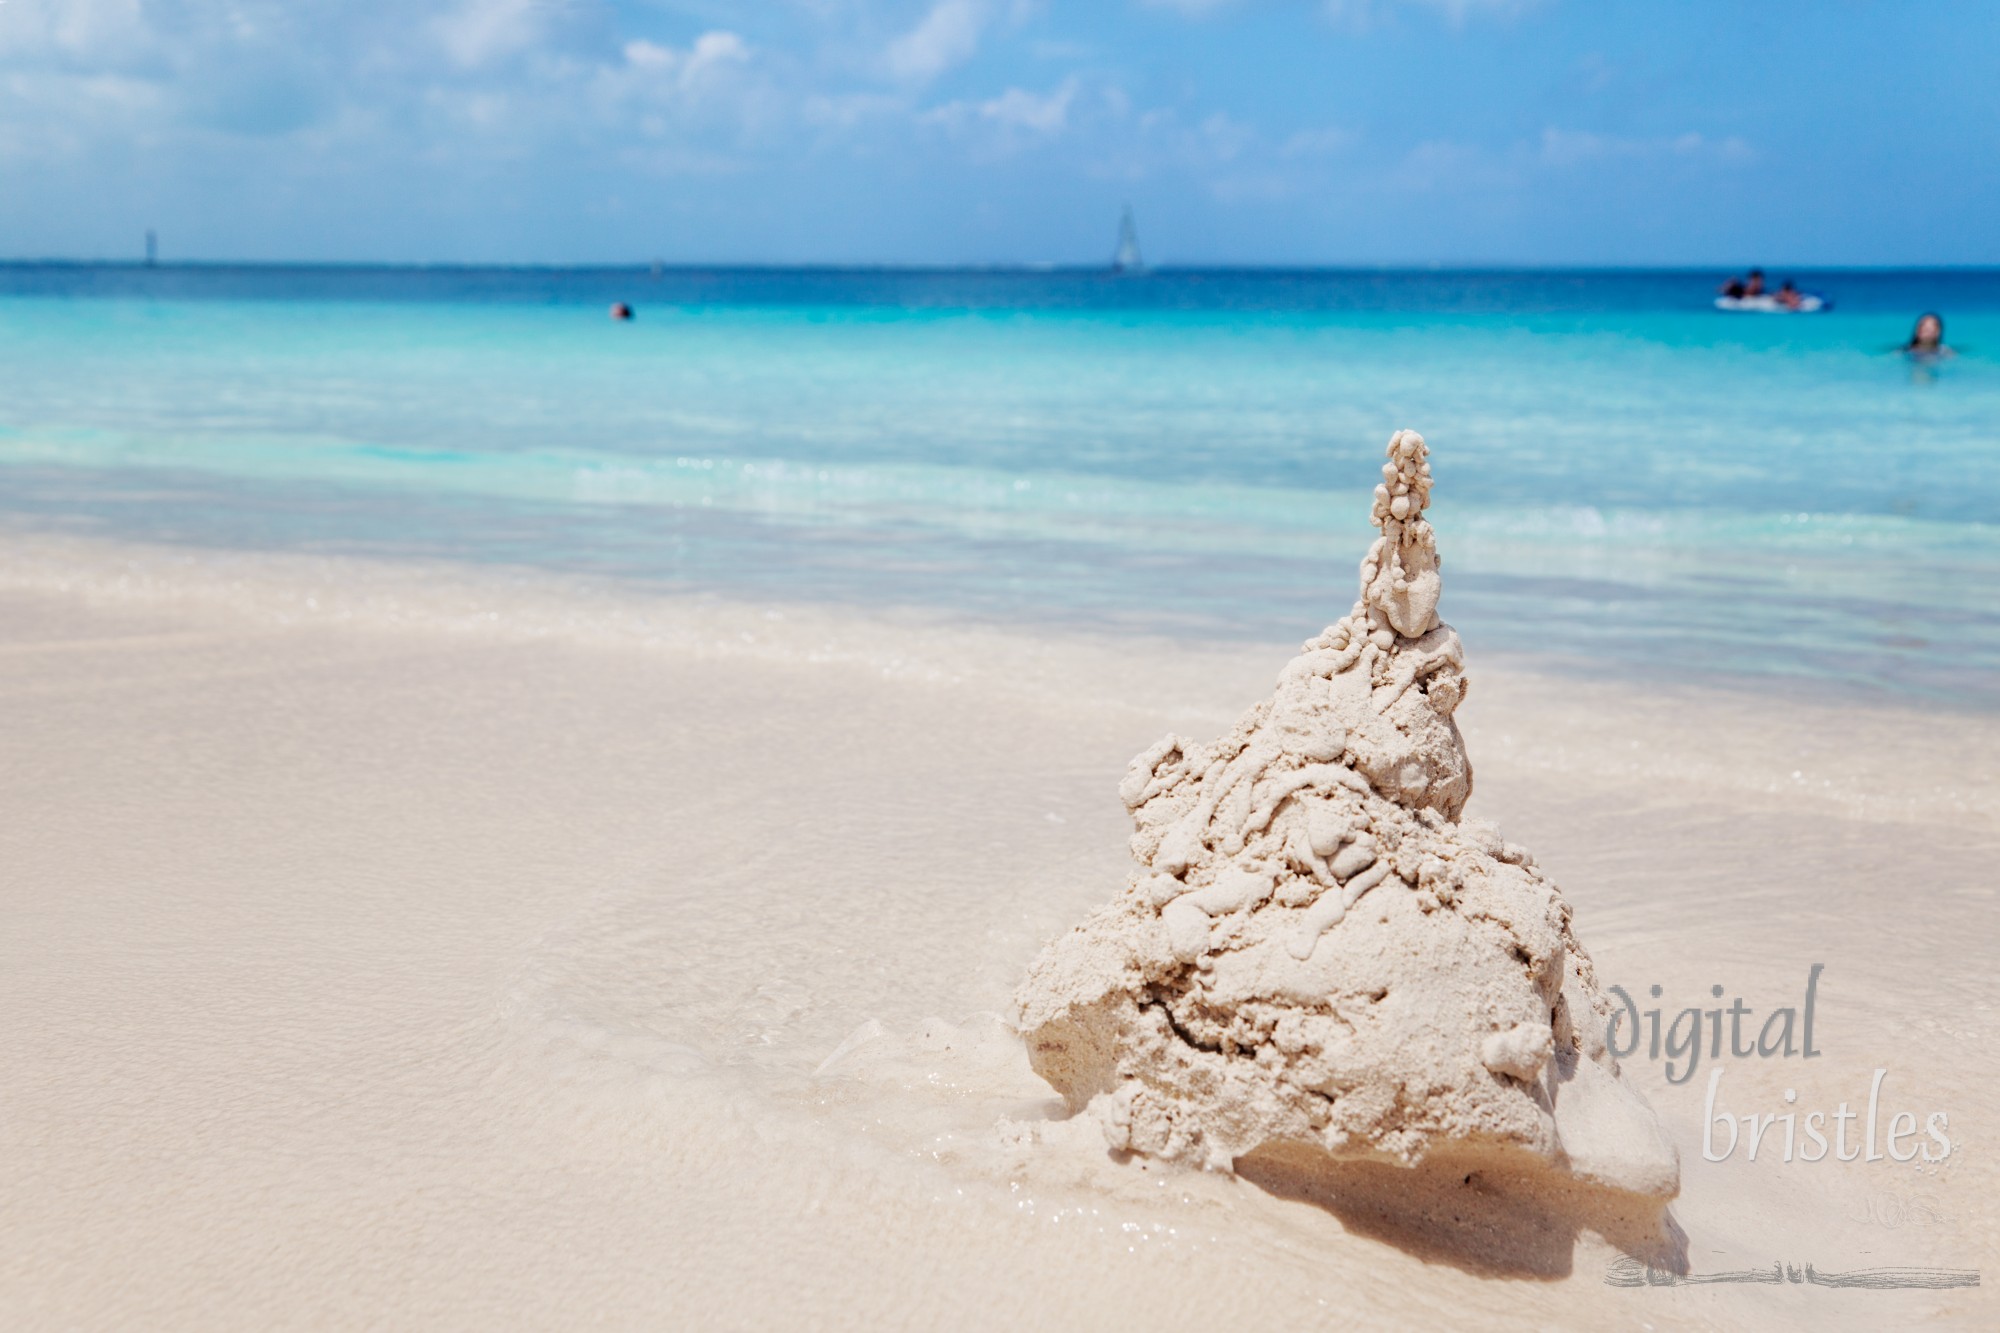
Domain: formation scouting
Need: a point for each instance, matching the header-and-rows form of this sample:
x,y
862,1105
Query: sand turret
x,y
1314,951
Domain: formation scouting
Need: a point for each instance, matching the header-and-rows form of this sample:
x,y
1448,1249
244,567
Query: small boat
x,y
1810,303
1127,259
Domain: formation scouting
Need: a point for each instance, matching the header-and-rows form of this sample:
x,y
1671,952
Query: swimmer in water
x,y
1927,339
619,310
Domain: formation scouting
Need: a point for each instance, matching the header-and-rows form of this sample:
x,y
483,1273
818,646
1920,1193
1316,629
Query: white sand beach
x,y
392,947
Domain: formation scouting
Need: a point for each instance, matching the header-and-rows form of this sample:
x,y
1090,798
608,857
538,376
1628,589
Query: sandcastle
x,y
1315,950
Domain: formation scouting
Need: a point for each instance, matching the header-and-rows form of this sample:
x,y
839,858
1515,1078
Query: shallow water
x,y
1626,476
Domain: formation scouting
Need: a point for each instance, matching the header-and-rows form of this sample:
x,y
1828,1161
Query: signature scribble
x,y
1629,1272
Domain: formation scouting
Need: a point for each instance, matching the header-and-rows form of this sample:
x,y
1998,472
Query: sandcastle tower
x,y
1399,579
1315,951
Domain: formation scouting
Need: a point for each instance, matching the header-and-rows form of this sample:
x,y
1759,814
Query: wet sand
x,y
384,949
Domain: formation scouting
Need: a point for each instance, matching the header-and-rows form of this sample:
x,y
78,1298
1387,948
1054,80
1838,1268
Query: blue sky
x,y
952,131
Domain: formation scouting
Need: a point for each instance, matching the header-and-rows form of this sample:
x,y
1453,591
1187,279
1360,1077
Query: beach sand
x,y
409,948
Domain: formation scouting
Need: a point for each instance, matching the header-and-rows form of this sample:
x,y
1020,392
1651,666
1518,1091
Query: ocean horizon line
x,y
1247,292
1033,268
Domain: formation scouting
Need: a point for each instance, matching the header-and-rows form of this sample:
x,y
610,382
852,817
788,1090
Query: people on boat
x,y
1927,338
1748,293
1738,288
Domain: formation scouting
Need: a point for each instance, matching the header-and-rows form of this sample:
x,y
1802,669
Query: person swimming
x,y
1927,338
621,311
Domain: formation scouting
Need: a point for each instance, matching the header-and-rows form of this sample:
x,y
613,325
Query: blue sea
x,y
1628,479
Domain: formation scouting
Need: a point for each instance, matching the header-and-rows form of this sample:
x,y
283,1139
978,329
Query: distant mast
x,y
1127,259
152,248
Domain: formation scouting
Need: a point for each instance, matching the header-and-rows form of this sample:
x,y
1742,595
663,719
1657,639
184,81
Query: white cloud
x,y
1225,157
263,120
694,106
1365,14
1447,166
247,68
642,54
849,111
711,52
947,36
1044,113
482,31
97,32
715,48
1255,187
1571,148
1224,138
1459,10
1440,164
1015,113
1323,142
1734,150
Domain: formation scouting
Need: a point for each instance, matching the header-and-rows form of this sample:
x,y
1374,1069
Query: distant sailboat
x,y
1127,259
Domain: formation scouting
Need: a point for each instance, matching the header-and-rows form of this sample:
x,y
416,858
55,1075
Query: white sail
x,y
1127,259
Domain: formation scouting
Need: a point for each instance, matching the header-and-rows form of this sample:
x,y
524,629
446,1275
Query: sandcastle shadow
x,y
1484,1214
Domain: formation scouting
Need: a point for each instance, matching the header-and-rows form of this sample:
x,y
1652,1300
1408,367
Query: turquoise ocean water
x,y
1627,478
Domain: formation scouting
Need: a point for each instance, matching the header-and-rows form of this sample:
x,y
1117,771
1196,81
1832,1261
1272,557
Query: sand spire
x,y
1314,952
1399,579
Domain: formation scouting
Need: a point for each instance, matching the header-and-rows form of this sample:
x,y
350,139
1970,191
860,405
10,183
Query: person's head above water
x,y
1928,335
619,310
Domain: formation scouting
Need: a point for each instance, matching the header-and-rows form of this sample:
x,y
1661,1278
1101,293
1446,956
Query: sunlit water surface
x,y
1628,479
